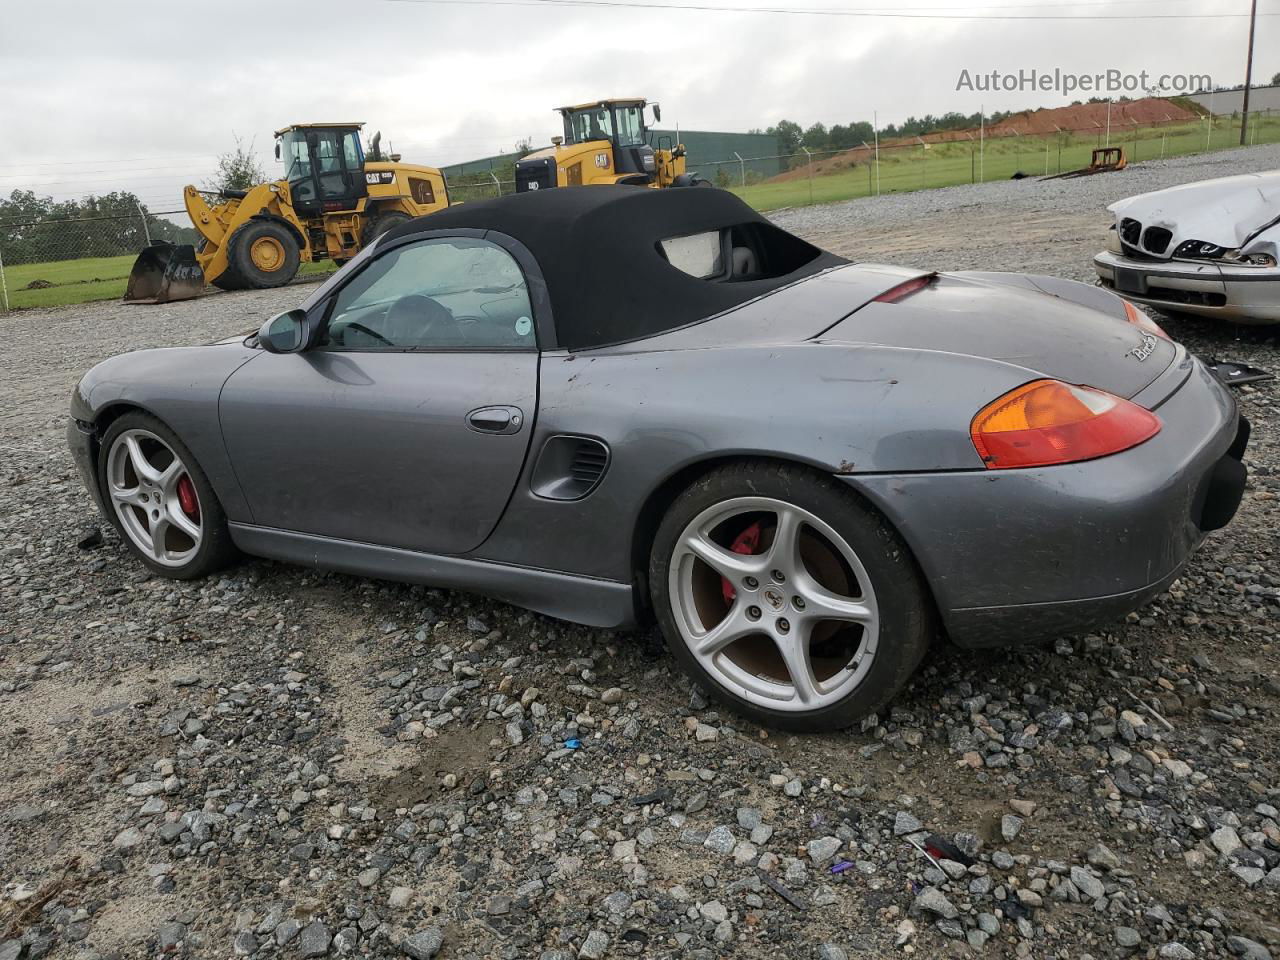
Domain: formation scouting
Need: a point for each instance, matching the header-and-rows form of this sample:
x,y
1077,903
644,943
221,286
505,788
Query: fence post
x,y
146,230
982,144
496,182
4,286
875,130
742,167
1163,135
810,156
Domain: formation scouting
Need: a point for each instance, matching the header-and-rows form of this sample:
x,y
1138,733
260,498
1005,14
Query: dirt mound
x,y
1092,116
38,285
1084,117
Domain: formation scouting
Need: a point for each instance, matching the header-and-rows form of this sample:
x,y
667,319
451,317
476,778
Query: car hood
x,y
1049,326
1228,212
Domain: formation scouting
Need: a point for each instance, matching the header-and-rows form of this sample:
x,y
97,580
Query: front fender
x,y
179,386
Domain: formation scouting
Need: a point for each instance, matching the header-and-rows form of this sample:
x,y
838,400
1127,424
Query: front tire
x,y
787,596
263,254
160,501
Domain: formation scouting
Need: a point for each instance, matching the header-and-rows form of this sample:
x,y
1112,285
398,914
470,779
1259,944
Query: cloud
x,y
142,96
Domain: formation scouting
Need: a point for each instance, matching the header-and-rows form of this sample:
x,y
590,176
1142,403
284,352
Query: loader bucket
x,y
165,272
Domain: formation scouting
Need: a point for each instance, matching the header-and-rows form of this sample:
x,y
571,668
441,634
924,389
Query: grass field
x,y
89,278
900,169
948,164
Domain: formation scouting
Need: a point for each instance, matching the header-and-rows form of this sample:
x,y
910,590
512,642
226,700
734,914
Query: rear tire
x,y
264,254
840,602
160,501
381,224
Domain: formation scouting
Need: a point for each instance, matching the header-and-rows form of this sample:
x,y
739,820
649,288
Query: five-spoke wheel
x,y
774,603
787,595
151,491
160,500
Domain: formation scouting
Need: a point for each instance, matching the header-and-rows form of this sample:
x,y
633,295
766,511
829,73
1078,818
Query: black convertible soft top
x,y
600,251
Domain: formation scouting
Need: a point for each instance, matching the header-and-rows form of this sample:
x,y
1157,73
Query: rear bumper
x,y
1021,555
1240,294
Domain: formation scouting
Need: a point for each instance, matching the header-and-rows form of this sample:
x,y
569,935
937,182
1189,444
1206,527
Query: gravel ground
x,y
283,763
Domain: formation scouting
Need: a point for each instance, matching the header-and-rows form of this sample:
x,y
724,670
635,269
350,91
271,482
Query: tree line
x,y
844,136
35,229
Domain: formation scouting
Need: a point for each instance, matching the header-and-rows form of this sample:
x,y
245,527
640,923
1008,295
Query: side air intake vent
x,y
569,468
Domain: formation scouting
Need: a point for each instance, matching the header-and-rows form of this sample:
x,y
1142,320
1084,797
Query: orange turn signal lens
x,y
1048,422
1143,322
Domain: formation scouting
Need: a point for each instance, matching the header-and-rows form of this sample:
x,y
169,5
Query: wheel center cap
x,y
774,598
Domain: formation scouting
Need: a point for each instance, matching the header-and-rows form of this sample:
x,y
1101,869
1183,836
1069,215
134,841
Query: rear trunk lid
x,y
1052,327
1048,335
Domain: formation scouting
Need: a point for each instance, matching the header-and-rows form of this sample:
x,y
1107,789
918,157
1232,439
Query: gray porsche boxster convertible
x,y
612,403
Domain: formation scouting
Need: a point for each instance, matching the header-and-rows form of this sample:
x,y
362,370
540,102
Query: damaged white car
x,y
1208,248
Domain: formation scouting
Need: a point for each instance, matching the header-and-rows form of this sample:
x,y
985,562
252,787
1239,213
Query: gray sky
x,y
97,95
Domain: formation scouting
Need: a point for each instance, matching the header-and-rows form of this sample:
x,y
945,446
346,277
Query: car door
x,y
407,422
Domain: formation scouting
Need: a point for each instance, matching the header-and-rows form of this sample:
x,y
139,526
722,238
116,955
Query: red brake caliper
x,y
187,497
747,542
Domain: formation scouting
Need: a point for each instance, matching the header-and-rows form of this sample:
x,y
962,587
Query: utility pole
x,y
1248,74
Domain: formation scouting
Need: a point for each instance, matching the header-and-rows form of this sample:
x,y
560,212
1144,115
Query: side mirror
x,y
285,332
277,149
657,113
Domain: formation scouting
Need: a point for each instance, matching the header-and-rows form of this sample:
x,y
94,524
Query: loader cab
x,y
324,166
622,123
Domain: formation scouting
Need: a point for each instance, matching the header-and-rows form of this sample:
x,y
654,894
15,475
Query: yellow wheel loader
x,y
332,201
607,142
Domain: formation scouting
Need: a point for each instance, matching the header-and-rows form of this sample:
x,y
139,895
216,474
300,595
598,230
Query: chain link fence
x,y
43,263
69,260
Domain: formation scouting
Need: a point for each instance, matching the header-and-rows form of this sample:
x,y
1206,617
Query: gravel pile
x,y
280,763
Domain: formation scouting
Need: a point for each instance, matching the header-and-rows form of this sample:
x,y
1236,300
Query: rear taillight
x,y
1047,422
1142,321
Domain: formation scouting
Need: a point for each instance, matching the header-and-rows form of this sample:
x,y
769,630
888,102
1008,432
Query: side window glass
x,y
351,151
456,293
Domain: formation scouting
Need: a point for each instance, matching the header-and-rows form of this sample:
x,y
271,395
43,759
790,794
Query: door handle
x,y
501,420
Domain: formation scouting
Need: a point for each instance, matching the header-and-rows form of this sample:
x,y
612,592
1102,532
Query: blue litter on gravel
x,y
573,743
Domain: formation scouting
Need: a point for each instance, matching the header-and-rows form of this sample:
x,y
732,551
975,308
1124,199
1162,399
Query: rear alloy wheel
x,y
264,254
788,597
160,501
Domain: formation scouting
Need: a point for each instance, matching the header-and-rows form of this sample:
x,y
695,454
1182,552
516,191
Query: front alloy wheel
x,y
154,498
160,501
